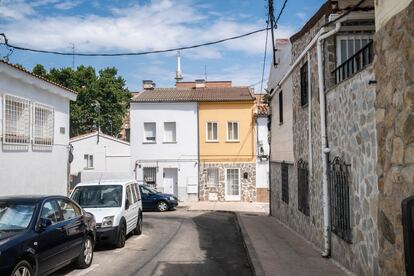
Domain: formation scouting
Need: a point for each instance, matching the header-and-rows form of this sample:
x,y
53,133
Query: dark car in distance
x,y
154,200
41,234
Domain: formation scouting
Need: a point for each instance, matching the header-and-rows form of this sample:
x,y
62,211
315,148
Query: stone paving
x,y
244,207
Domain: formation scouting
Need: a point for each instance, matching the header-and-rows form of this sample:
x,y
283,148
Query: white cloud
x,y
15,10
157,25
67,5
302,15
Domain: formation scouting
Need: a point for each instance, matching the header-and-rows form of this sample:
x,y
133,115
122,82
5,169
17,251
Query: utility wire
x,y
264,57
15,47
280,13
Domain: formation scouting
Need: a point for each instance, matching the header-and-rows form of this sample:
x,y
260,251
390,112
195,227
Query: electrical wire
x,y
15,47
280,12
264,57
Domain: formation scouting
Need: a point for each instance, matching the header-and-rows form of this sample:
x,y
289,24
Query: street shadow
x,y
221,240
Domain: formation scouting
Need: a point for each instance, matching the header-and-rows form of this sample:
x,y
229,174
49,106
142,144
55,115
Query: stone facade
x,y
248,185
394,70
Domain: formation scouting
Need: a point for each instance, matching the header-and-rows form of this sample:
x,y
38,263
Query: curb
x,y
251,252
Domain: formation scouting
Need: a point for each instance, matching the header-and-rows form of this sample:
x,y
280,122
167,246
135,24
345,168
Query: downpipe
x,y
325,149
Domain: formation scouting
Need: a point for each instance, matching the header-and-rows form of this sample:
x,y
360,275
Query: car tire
x,y
162,206
86,255
138,228
23,268
120,242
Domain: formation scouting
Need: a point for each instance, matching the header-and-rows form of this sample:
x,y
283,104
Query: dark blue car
x,y
153,200
41,234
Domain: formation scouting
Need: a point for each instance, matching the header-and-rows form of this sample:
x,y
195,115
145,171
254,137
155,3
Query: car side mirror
x,y
44,223
126,204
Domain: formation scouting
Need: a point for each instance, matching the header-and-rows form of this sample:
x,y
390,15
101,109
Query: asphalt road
x,y
175,243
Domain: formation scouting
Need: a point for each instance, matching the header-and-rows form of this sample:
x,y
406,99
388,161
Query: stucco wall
x,y
262,166
224,151
182,155
28,171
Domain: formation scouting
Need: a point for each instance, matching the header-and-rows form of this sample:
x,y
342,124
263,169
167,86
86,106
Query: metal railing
x,y
303,187
340,207
355,63
285,182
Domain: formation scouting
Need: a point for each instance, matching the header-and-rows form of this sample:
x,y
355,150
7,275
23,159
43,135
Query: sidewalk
x,y
244,207
275,250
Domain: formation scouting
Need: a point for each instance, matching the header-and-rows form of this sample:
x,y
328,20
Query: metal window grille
x,y
212,176
43,124
16,116
340,208
285,182
150,176
304,84
303,187
281,107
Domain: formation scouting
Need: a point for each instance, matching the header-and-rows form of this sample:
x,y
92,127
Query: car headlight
x,y
107,221
171,198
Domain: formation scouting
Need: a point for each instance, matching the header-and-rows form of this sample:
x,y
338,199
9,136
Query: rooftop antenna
x,y
178,74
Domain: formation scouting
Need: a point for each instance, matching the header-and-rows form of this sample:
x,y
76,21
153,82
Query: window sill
x,y
175,142
213,141
89,169
232,141
146,142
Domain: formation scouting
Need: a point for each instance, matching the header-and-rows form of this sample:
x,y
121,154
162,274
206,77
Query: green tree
x,y
105,89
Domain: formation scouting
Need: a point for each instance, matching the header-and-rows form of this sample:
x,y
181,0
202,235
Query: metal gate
x,y
303,187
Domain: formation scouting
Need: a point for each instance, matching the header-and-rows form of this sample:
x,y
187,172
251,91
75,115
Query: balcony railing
x,y
355,63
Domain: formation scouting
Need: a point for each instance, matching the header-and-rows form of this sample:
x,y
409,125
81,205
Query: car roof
x,y
122,182
29,198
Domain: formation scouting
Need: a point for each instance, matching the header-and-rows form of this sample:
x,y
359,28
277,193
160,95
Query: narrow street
x,y
175,243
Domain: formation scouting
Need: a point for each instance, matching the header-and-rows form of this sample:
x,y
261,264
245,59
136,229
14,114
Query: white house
x,y
262,148
34,131
96,154
164,142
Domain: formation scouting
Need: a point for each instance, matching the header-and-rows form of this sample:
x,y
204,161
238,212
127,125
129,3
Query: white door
x,y
170,181
233,185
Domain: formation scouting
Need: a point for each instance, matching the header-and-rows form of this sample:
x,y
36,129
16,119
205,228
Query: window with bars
x,y
348,45
304,84
212,177
150,176
303,187
232,131
340,199
285,182
43,118
16,122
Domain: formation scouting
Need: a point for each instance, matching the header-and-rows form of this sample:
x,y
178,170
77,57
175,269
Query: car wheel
x,y
86,256
23,268
121,236
162,206
138,228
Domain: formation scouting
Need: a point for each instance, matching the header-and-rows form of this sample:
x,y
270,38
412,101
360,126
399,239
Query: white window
x,y
212,131
43,118
16,126
89,161
169,132
347,46
150,176
150,132
212,176
232,131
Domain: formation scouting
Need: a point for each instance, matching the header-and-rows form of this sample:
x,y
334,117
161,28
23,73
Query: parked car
x,y
154,200
41,234
116,205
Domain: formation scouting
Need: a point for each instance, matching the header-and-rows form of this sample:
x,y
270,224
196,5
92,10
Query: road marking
x,y
86,271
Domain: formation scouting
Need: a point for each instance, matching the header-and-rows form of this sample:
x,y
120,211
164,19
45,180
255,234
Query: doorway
x,y
232,189
171,181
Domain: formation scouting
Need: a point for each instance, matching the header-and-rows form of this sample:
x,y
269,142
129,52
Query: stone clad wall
x,y
352,136
394,70
248,186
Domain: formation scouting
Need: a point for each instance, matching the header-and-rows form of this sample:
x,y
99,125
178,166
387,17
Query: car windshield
x,y
98,196
151,190
15,216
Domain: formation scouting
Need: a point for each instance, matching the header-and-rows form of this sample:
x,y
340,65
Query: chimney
x,y
201,83
178,73
148,85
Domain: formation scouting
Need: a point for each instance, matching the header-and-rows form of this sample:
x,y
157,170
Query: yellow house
x,y
227,141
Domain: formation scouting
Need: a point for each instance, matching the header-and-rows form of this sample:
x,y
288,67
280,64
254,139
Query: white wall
x,y
109,155
282,134
262,167
24,170
182,155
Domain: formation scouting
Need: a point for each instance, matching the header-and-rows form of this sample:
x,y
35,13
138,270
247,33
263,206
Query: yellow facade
x,y
223,150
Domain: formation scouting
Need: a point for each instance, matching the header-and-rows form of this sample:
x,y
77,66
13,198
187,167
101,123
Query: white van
x,y
116,205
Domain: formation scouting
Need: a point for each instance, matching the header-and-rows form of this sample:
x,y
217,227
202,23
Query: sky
x,y
112,26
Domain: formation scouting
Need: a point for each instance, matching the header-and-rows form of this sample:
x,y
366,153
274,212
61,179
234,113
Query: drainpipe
x,y
310,118
325,149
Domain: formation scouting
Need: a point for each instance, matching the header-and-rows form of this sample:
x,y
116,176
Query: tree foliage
x,y
105,89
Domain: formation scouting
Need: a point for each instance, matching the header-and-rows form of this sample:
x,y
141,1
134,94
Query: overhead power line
x,y
16,47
